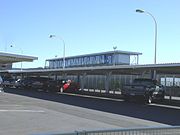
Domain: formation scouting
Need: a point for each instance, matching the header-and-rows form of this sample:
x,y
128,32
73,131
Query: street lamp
x,y
114,62
53,36
21,54
155,39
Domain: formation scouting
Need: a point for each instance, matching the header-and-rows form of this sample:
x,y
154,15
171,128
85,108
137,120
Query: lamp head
x,y
51,36
140,11
114,47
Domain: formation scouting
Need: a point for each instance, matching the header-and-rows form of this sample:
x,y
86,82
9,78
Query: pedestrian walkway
x,y
172,98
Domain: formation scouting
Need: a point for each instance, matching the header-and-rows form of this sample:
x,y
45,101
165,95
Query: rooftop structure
x,y
116,57
6,59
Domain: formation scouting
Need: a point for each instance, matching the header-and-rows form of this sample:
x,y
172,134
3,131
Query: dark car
x,y
8,82
53,85
147,89
1,85
47,84
25,82
34,82
18,83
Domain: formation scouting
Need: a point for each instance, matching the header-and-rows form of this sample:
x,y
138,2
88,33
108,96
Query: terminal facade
x,y
107,71
112,79
95,59
103,79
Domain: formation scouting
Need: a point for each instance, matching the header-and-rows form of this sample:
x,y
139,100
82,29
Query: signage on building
x,y
91,60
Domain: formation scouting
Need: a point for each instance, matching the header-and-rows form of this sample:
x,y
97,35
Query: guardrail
x,y
172,130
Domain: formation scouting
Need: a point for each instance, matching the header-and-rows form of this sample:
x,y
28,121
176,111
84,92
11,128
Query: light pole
x,y
21,54
114,62
155,34
53,36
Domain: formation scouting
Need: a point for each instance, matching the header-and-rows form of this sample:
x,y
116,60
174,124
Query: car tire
x,y
61,90
126,98
149,99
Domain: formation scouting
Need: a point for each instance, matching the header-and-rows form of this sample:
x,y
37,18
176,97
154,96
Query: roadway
x,y
24,112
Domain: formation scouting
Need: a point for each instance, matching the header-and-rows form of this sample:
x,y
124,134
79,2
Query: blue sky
x,y
89,26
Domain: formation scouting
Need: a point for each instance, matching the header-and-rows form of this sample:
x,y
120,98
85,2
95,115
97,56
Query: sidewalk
x,y
174,101
172,98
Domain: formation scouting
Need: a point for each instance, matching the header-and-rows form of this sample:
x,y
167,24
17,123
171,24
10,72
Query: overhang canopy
x,y
169,68
12,58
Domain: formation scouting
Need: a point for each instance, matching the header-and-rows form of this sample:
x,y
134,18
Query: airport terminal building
x,y
99,79
111,70
98,71
95,59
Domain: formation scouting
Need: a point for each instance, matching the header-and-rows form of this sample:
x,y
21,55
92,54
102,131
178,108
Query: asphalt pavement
x,y
24,112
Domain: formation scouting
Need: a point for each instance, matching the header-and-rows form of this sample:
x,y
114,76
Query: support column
x,y
22,76
137,59
174,80
15,76
78,78
64,75
170,94
55,77
82,81
49,75
165,81
107,81
152,74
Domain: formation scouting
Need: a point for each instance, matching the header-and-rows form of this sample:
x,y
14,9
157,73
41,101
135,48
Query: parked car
x,y
23,83
142,88
18,83
52,85
33,82
7,82
47,84
1,85
68,86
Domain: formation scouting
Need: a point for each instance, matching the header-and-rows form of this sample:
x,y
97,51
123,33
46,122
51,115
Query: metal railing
x,y
172,130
